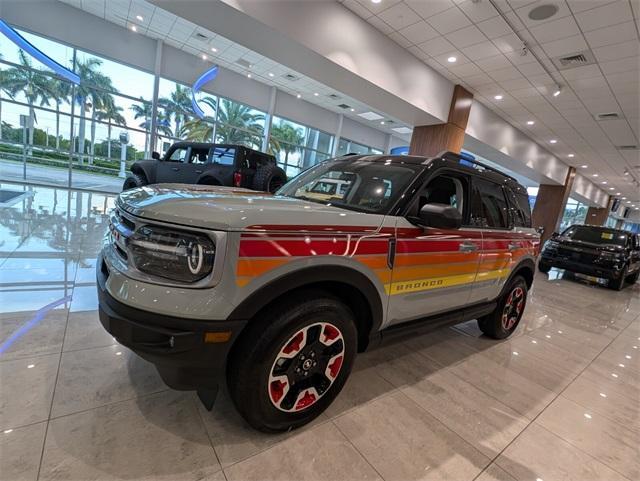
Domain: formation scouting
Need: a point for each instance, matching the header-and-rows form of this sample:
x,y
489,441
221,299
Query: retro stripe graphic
x,y
424,260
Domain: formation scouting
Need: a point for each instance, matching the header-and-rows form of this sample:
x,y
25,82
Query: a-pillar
x,y
429,140
550,204
597,215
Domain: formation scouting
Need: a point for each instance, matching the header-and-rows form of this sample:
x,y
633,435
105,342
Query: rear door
x,y
223,163
490,212
434,269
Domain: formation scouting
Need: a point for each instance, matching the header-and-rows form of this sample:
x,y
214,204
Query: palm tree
x,y
201,129
144,111
177,107
111,114
290,137
239,124
61,91
93,91
35,86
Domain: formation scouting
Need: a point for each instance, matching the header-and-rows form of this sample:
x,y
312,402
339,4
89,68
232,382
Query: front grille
x,y
577,255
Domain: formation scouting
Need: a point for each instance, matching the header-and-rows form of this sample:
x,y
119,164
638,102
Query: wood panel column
x,y
550,204
429,140
597,216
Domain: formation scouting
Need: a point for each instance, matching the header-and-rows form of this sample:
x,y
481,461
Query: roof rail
x,y
470,160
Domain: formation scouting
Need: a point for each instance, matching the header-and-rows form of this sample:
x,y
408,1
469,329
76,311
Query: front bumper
x,y
176,346
596,270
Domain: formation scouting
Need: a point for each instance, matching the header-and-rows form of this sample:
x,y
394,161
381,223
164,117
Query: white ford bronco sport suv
x,y
275,294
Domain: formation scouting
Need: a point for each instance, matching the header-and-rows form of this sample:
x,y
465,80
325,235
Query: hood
x,y
235,209
568,242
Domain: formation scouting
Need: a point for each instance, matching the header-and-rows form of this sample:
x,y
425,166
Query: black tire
x,y
134,180
269,178
498,326
544,267
257,354
618,284
633,278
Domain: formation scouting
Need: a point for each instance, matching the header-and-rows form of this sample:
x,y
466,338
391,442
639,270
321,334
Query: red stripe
x,y
296,248
311,228
422,246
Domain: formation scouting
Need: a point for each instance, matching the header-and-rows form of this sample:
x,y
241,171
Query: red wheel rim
x,y
305,367
513,308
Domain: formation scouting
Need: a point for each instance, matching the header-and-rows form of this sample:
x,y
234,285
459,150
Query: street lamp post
x,y
124,140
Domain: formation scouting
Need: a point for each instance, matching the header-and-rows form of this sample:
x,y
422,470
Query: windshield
x,y
596,236
359,185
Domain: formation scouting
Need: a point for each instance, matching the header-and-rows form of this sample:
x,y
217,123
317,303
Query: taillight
x,y
237,179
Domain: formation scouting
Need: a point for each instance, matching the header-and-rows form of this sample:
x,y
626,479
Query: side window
x,y
223,155
179,155
488,206
443,189
199,156
521,212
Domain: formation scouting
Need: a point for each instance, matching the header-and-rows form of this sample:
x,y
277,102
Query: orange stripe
x,y
257,267
373,262
422,272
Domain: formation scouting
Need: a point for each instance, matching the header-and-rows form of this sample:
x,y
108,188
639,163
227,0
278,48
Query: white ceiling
x,y
180,33
490,62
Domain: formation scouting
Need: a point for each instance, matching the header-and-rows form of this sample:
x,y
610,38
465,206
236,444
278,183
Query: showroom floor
x,y
558,400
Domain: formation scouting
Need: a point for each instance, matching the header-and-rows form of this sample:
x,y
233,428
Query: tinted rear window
x,y
223,155
595,236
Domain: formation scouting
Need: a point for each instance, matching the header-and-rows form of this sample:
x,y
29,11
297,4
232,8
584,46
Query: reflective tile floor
x,y
557,401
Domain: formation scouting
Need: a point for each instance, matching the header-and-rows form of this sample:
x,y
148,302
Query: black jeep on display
x,y
209,164
595,251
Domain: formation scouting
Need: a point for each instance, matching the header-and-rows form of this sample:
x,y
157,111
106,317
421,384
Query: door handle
x,y
467,247
175,169
513,247
198,172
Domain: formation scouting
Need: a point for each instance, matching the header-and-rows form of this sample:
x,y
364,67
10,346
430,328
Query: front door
x,y
434,269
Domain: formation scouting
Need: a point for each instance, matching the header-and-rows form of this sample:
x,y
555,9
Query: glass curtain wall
x,y
574,213
298,147
346,146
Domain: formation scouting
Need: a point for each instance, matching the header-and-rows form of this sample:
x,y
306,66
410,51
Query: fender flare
x,y
208,175
527,263
149,171
307,277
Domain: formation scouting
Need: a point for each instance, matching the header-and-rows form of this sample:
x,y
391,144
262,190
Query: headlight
x,y
610,256
174,255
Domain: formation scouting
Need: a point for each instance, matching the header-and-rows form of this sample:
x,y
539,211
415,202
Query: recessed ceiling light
x,y
353,110
299,96
556,93
134,28
213,49
610,188
595,175
617,193
584,166
315,94
624,198
604,182
382,122
376,1
452,59
530,122
497,97
271,74
571,156
248,75
139,17
204,57
553,141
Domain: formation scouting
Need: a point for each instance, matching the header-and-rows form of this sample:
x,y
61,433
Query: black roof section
x,y
447,157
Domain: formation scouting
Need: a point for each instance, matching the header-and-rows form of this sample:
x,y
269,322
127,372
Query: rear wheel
x,y
134,180
633,278
269,178
507,314
289,366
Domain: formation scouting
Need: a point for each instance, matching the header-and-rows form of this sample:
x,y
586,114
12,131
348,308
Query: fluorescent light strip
x,y
208,76
40,56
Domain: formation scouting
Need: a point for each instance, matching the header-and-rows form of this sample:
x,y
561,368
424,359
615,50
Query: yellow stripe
x,y
431,283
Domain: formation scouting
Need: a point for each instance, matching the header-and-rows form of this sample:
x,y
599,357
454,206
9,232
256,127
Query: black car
x,y
209,164
603,252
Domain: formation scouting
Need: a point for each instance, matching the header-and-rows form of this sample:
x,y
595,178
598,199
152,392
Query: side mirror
x,y
540,230
155,155
440,216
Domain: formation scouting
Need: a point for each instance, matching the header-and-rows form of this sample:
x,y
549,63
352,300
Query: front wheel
x,y
633,278
618,284
132,181
290,365
543,267
507,314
